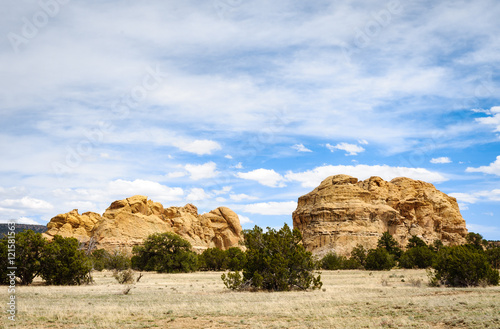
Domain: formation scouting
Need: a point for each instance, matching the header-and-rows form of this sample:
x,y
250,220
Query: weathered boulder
x,y
343,212
128,222
72,224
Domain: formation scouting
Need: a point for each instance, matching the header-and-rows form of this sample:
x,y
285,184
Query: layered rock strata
x,y
343,212
128,222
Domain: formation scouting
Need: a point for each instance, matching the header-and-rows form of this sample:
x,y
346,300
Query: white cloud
x,y
26,203
228,156
176,174
266,177
465,197
199,147
244,220
493,168
483,229
203,171
239,165
493,119
312,178
441,160
224,190
351,149
153,190
241,197
197,194
301,148
20,220
481,196
363,142
271,208
82,206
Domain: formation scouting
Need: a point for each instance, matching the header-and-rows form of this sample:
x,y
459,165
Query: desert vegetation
x,y
381,287
348,299
473,264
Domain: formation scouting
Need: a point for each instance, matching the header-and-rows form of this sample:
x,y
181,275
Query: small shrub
x,y
165,252
463,266
332,262
359,255
124,276
493,254
415,242
417,257
276,261
99,258
233,280
118,260
213,259
379,259
388,243
415,282
236,259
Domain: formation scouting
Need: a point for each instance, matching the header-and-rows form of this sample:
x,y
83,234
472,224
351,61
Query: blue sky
x,y
246,104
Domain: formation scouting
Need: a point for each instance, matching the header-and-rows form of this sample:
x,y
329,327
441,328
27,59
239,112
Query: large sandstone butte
x,y
343,212
128,222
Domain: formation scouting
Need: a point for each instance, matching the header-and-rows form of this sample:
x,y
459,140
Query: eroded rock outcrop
x,y
128,222
343,212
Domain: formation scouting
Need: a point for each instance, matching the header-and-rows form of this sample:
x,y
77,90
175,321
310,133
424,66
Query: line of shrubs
x,y
268,256
472,264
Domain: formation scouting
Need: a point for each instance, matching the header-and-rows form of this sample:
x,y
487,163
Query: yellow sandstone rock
x,y
343,212
128,222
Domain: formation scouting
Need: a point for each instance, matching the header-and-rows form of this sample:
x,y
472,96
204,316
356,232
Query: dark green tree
x,y
462,266
417,257
100,258
493,254
415,242
387,242
236,259
436,245
379,259
276,261
165,252
359,255
213,259
63,263
29,246
118,260
475,240
4,261
332,261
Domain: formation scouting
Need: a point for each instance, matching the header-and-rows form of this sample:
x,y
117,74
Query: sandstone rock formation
x,y
343,212
128,222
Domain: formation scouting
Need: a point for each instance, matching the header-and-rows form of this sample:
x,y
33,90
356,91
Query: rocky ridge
x,y
343,212
128,222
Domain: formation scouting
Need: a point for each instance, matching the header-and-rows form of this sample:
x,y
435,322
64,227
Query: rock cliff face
x,y
343,212
128,222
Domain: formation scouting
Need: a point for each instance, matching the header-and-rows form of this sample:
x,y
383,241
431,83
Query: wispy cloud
x,y
301,148
203,171
271,208
351,149
312,178
266,177
492,168
441,160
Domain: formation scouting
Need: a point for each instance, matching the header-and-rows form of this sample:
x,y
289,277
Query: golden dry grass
x,y
349,299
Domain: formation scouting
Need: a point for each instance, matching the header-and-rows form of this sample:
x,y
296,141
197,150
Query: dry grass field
x,y
349,299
